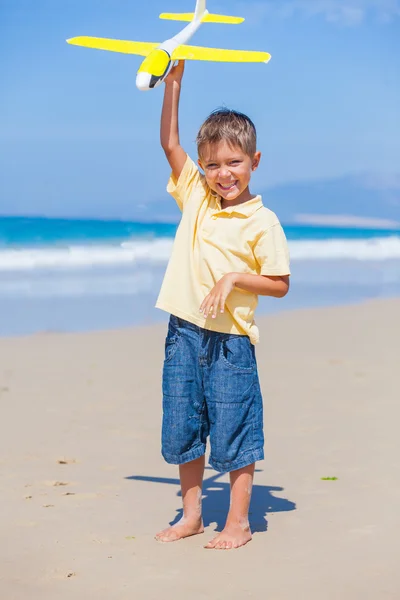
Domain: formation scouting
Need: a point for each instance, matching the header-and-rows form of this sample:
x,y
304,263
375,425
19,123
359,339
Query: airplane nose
x,y
143,81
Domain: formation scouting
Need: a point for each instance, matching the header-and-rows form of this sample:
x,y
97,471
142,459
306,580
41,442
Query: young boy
x,y
228,250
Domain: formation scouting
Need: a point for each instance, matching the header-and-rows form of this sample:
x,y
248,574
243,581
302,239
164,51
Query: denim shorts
x,y
210,388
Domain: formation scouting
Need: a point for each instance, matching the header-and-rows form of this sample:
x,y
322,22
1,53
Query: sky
x,y
78,139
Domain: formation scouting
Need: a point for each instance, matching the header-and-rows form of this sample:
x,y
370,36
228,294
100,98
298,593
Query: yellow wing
x,y
208,18
126,47
219,55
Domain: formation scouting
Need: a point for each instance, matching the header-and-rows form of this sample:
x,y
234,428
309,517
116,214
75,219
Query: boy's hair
x,y
229,126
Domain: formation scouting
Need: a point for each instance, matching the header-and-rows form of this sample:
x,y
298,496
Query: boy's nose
x,y
224,172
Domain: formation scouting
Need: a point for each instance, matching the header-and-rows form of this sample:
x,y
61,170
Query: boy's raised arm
x,y
169,134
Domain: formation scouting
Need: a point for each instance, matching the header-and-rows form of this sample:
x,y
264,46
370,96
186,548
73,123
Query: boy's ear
x,y
256,161
200,164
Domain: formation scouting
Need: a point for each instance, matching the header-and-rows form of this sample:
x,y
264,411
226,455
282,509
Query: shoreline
x,y
268,308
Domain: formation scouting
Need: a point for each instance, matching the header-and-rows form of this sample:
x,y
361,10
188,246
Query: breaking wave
x,y
157,252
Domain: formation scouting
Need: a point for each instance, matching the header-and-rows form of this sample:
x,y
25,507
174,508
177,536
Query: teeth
x,y
227,187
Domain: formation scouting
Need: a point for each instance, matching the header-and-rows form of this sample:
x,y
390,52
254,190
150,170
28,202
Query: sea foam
x,y
157,252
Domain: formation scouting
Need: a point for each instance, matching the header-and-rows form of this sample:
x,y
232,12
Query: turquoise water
x,y
65,274
38,231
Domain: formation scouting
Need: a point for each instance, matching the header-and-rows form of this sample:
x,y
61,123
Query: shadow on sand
x,y
216,495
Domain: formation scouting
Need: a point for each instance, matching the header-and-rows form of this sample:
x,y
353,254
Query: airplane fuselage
x,y
156,66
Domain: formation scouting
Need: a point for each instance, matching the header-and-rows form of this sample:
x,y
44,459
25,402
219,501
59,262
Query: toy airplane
x,y
160,58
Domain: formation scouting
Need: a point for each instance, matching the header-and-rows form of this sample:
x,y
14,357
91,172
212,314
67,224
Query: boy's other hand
x,y
176,73
215,300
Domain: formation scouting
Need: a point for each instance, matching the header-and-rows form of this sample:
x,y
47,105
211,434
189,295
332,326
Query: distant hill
x,y
360,196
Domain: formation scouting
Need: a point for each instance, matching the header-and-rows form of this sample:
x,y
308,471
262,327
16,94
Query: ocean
x,y
83,275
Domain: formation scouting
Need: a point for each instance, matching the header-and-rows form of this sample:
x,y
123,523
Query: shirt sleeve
x,y
189,182
272,252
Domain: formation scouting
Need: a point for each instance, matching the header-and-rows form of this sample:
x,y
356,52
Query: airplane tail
x,y
201,14
207,18
200,10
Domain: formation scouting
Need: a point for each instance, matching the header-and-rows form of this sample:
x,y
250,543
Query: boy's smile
x,y
228,171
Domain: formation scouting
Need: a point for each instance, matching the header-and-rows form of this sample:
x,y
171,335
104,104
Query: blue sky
x,y
78,139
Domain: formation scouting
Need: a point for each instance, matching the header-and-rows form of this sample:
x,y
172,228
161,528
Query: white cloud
x,y
341,12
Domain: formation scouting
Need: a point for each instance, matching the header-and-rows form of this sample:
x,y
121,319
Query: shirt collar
x,y
246,209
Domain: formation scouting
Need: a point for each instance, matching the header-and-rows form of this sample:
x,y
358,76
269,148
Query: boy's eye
x,y
211,166
235,162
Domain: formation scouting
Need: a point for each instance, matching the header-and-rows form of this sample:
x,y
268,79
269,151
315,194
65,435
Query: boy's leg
x,y
235,409
191,476
185,424
237,532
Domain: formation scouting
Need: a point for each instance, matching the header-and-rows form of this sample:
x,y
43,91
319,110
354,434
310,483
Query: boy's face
x,y
228,170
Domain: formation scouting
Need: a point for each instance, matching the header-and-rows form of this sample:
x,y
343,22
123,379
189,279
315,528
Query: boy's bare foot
x,y
233,536
184,528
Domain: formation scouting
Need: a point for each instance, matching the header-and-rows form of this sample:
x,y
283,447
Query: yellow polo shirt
x,y
210,242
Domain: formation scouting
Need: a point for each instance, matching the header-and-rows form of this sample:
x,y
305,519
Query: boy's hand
x,y
216,299
176,73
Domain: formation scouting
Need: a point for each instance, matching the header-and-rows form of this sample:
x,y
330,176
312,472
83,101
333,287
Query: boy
x,y
228,249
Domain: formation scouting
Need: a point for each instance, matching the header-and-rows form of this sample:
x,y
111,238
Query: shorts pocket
x,y
171,346
173,339
180,426
237,353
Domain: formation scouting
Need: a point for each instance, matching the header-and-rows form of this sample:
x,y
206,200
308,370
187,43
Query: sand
x,y
84,487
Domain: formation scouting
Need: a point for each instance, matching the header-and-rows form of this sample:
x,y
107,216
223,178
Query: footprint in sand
x,y
57,483
67,461
58,573
84,495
